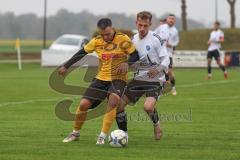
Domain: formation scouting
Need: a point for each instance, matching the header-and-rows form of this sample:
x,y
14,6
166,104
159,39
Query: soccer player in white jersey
x,y
149,77
169,32
214,42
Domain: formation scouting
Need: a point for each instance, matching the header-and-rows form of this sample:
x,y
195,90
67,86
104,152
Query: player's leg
x,y
150,108
221,66
133,92
92,97
81,115
121,117
172,77
209,67
116,90
108,118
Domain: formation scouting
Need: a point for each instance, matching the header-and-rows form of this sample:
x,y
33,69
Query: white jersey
x,y
152,53
170,34
163,31
215,37
173,39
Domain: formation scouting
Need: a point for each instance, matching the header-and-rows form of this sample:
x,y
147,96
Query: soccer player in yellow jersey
x,y
112,49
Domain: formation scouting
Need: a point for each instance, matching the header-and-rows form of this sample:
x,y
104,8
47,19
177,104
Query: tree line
x,y
30,26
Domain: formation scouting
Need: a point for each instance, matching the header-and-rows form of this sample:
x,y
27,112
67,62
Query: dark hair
x,y
144,15
217,23
104,23
163,20
171,15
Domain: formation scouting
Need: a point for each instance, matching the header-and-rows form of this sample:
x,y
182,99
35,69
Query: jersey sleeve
x,y
162,31
174,40
221,37
128,45
157,30
159,45
90,46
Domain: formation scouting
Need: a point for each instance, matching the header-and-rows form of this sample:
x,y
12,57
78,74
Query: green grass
x,y
27,46
29,128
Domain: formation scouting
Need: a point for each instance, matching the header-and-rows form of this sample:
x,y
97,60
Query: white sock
x,y
103,135
74,131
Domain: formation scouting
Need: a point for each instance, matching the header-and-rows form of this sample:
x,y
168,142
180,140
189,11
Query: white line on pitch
x,y
206,83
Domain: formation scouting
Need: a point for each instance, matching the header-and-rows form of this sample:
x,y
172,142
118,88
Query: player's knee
x,y
170,72
113,100
84,104
149,104
148,107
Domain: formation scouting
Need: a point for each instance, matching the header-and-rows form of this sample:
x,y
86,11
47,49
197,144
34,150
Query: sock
x,y
103,135
222,67
172,81
76,131
209,69
108,119
154,117
79,120
122,121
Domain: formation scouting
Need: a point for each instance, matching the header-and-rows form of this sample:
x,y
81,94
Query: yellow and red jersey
x,y
111,55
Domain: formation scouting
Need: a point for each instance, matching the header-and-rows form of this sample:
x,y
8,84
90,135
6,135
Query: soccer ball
x,y
118,138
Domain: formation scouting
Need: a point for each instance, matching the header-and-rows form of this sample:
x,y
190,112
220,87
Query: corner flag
x,y
18,48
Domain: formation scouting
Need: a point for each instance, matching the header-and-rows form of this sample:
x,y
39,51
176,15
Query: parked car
x,y
69,42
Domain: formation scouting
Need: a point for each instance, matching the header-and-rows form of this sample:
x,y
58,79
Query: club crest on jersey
x,y
148,47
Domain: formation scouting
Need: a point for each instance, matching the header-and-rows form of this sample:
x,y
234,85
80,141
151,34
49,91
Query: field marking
x,y
206,83
75,98
180,86
29,101
208,99
24,61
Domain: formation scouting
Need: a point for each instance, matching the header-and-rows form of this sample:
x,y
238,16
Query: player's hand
x,y
122,68
62,71
209,42
152,73
168,45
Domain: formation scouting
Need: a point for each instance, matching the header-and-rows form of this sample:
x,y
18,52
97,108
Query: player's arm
x,y
123,67
173,42
75,58
221,38
161,68
134,57
90,47
164,59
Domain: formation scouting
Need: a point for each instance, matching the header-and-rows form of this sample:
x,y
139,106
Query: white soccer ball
x,y
118,138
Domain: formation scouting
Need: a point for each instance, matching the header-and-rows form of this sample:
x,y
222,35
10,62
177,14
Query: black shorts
x,y
99,90
136,88
171,63
214,53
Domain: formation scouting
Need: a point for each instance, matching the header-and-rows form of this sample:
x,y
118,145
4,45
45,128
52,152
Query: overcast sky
x,y
201,10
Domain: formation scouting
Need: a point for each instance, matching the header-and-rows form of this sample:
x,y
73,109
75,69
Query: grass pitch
x,y
201,122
